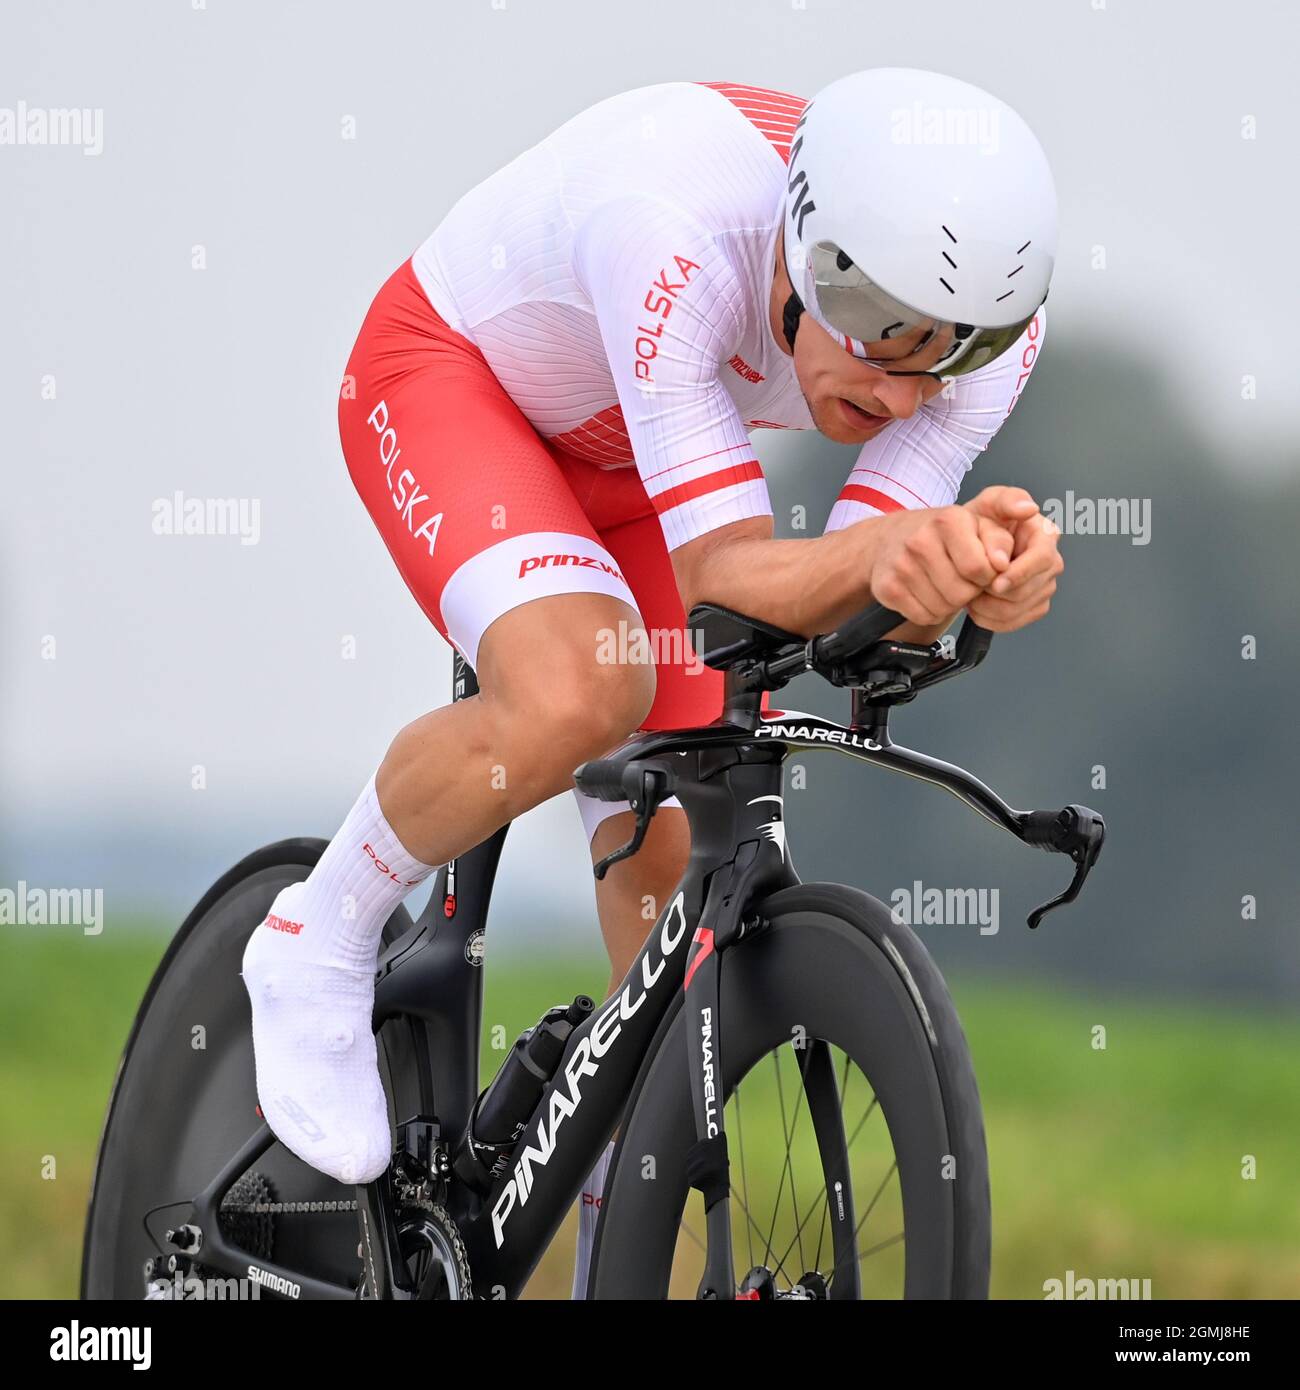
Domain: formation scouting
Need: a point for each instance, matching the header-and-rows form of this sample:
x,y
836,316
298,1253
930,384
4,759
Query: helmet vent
x,y
949,259
1019,251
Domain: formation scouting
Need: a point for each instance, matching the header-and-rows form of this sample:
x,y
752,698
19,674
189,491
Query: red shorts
x,y
481,514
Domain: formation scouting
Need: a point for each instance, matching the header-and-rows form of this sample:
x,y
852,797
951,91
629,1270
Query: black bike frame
x,y
730,786
728,777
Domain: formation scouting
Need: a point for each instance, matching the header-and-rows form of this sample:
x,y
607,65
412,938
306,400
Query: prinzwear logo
x,y
275,1282
282,924
582,562
591,1049
742,368
78,1343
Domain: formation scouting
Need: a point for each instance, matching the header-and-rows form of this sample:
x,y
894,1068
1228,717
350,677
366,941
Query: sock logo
x,y
301,1118
384,869
282,924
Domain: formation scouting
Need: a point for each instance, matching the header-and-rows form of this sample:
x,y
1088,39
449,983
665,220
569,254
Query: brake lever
x,y
1077,831
655,788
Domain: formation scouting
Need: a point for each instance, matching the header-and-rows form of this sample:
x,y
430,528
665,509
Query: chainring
x,y
435,1253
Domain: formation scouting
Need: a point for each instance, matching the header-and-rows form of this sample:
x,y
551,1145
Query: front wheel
x,y
858,1161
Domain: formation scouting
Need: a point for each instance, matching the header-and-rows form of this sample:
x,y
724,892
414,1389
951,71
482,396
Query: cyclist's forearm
x,y
804,586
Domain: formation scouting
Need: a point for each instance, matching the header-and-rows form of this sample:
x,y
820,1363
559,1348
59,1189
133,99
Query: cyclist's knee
x,y
590,706
551,672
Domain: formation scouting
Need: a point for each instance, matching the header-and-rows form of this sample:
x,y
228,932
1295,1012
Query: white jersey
x,y
617,278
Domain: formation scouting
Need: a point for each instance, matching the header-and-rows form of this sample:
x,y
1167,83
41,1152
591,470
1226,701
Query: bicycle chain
x,y
286,1208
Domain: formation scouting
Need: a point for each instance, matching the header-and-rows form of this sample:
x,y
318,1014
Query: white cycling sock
x,y
589,1204
309,969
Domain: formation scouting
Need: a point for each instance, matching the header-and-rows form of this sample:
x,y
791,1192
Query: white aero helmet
x,y
920,221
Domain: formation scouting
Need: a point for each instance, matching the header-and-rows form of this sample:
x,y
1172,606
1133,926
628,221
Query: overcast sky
x,y
306,149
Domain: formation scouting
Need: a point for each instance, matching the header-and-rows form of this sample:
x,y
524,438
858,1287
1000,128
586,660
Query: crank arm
x,y
381,1253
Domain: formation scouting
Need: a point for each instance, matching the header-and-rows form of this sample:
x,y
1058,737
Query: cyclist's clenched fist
x,y
934,562
1022,593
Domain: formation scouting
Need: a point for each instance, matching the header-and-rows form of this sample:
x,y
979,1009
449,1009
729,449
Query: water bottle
x,y
503,1110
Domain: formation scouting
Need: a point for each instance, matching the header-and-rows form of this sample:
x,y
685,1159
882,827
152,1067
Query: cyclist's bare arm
x,y
927,564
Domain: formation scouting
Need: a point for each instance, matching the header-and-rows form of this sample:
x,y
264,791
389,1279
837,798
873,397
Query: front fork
x,y
759,864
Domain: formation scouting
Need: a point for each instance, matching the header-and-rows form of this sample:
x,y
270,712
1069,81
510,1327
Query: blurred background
x,y
180,295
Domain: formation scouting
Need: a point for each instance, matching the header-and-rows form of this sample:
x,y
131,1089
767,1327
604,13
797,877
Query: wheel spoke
x,y
812,1207
787,1129
879,1246
767,1240
861,1122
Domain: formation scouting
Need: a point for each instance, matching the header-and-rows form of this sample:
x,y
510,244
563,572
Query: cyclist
x,y
547,415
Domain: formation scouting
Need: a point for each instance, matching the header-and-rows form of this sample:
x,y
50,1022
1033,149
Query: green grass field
x,y
1122,1162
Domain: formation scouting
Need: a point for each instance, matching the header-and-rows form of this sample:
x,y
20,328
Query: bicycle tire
x,y
833,961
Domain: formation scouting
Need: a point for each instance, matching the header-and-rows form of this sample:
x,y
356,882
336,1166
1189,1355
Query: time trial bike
x,y
792,1094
